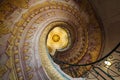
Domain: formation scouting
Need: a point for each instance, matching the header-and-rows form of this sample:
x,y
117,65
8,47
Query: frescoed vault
x,y
41,39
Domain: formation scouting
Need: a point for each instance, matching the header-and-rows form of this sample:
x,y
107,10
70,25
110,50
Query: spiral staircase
x,y
59,40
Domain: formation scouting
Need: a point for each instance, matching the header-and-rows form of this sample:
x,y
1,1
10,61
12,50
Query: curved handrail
x,y
91,62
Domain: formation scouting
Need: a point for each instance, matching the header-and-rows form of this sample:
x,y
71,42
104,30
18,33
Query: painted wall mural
x,y
36,34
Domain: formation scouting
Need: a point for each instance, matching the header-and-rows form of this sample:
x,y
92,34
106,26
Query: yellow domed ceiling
x,y
57,39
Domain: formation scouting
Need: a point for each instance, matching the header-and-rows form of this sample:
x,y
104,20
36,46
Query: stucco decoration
x,y
28,53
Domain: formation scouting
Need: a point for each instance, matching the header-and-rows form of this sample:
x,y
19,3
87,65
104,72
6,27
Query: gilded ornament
x,y
3,29
3,70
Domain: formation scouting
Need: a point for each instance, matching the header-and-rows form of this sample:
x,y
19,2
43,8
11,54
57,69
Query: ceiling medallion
x,y
57,39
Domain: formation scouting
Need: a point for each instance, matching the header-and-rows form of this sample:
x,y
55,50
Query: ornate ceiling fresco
x,y
38,36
